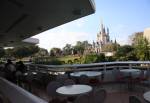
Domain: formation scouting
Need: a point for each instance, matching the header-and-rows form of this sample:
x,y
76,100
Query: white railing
x,y
93,66
16,94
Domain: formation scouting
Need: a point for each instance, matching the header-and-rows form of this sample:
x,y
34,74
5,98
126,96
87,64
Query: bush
x,y
70,62
93,58
110,59
76,61
55,62
50,62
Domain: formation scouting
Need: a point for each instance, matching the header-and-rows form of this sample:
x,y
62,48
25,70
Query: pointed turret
x,y
107,31
115,41
93,44
101,26
104,32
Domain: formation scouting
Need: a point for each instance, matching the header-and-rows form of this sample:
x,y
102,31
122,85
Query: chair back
x,y
82,99
18,73
147,75
29,77
116,74
83,79
51,88
61,78
141,74
99,96
134,99
69,82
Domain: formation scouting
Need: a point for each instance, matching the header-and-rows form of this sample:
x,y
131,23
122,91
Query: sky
x,y
122,17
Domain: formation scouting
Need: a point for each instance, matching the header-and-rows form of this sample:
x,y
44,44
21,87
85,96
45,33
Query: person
x,y
21,67
10,70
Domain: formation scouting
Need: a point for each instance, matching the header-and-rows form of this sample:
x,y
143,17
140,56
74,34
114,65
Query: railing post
x,y
104,68
28,67
130,66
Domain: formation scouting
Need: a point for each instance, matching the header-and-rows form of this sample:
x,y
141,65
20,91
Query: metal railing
x,y
94,66
16,94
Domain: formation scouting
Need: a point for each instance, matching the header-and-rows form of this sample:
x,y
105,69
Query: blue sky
x,y
122,17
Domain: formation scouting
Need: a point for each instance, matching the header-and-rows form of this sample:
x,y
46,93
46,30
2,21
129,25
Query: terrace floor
x,y
116,93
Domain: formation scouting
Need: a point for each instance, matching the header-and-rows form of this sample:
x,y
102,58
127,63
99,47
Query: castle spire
x,y
115,41
104,30
101,26
107,31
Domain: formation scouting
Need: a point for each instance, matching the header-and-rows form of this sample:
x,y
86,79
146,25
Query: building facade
x,y
147,34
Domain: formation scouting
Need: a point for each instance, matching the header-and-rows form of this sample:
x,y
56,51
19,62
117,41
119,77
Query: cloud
x,y
61,35
60,38
121,33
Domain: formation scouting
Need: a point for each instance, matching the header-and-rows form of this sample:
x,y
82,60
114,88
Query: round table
x,y
147,96
34,73
73,90
131,72
128,74
87,73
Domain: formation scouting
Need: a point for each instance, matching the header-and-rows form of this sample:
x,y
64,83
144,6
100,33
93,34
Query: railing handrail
x,y
69,67
16,94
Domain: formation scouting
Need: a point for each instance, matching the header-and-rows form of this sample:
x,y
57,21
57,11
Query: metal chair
x,y
83,79
69,82
61,78
99,96
82,99
51,88
134,99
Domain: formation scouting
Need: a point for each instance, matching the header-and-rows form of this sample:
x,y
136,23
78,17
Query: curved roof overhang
x,y
21,19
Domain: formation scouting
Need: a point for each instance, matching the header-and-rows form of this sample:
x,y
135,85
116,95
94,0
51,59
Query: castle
x,y
103,39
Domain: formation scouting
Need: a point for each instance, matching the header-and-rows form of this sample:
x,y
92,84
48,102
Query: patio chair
x,y
83,79
147,75
29,79
134,99
98,96
61,78
118,76
69,82
39,79
82,99
146,79
51,88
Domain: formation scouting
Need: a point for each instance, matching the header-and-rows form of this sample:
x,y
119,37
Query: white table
x,y
146,96
134,73
131,72
73,90
87,73
34,73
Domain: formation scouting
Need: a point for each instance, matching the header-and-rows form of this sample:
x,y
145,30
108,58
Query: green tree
x,y
24,51
2,52
110,47
93,58
125,52
67,50
55,52
81,46
42,52
141,46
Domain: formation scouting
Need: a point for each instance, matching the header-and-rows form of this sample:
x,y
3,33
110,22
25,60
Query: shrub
x,y
93,58
70,62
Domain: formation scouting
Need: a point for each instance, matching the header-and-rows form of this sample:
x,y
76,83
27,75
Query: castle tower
x,y
108,38
102,37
